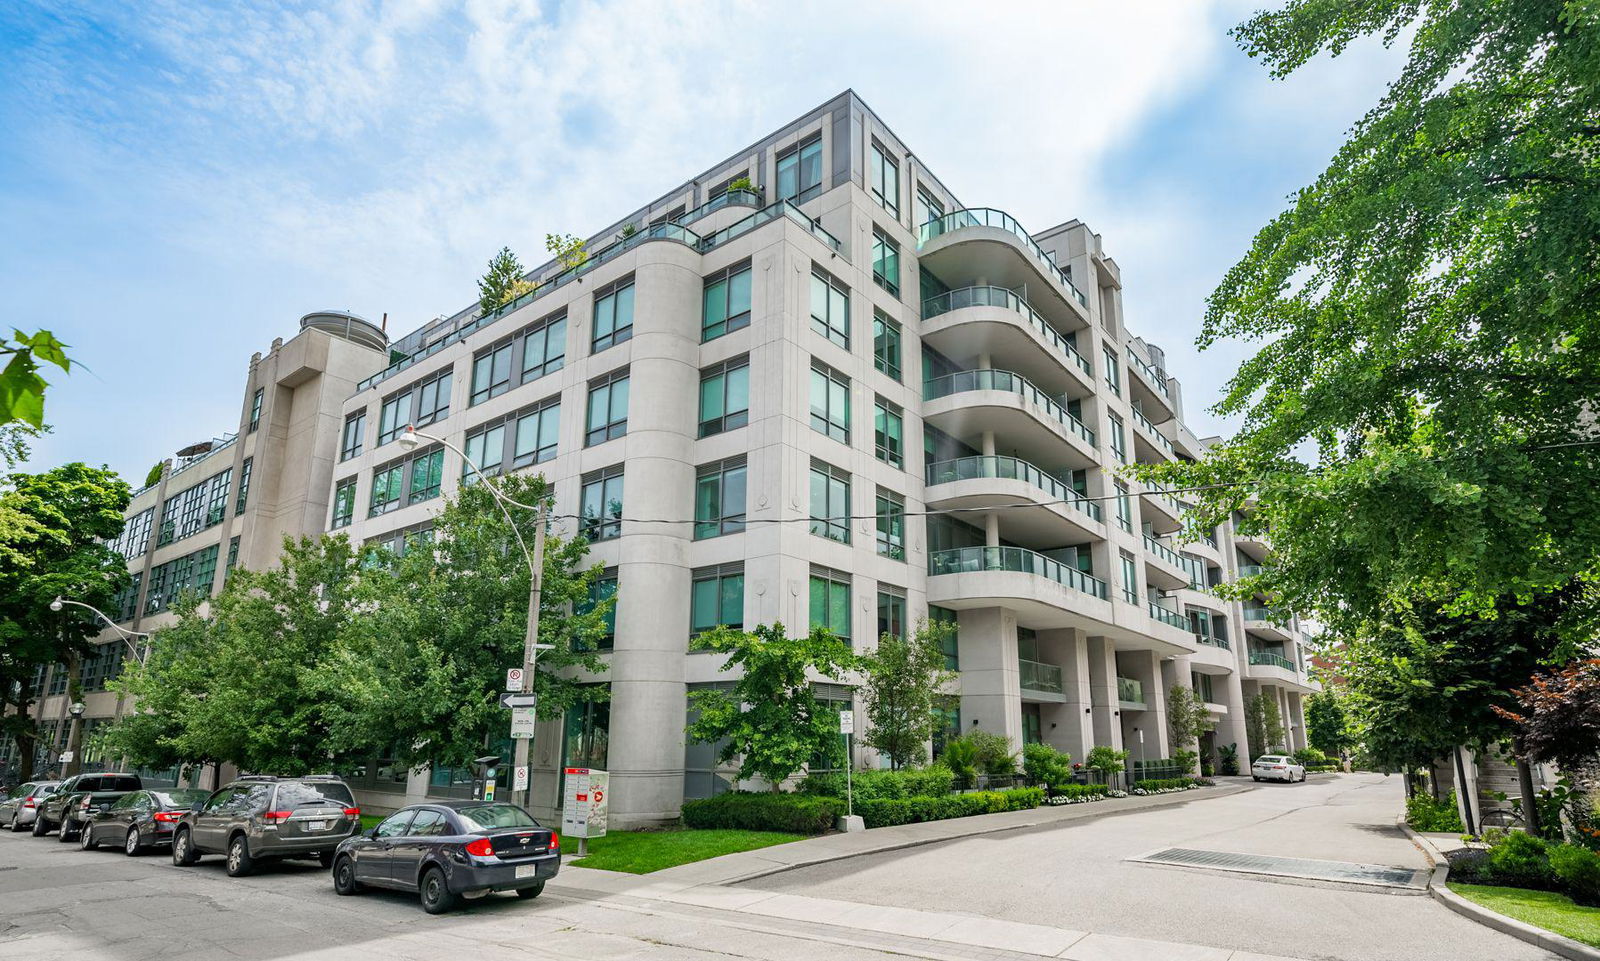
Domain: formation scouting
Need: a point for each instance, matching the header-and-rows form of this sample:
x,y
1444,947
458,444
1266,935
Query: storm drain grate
x,y
1374,874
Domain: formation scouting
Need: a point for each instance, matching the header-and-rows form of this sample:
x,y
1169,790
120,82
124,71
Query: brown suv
x,y
262,818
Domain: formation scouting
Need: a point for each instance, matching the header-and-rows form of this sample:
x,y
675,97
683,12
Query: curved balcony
x,y
1030,421
993,245
975,321
1267,666
1214,652
1266,622
1149,386
1160,509
1042,510
1164,567
1044,591
1150,446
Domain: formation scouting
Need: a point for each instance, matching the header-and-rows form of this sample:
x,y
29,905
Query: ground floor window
x,y
588,735
703,775
948,723
1032,724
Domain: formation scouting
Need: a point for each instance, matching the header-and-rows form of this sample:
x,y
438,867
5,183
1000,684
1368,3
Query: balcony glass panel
x,y
1004,380
1005,299
1164,552
1151,376
970,560
1267,614
1150,430
1130,690
1038,676
1168,617
1275,660
988,217
1010,468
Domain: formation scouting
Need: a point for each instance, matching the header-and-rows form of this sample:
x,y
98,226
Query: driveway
x,y
1078,876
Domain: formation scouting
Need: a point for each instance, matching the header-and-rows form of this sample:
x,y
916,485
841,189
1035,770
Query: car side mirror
x,y
197,806
373,834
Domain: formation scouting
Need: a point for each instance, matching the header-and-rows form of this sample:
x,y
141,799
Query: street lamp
x,y
409,439
74,750
140,652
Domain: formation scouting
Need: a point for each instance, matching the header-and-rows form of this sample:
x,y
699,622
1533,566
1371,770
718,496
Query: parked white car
x,y
1278,767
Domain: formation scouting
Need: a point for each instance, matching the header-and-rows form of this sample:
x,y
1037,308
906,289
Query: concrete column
x,y
1075,719
1101,659
1145,667
991,530
988,443
1175,673
1297,718
991,689
985,361
1231,730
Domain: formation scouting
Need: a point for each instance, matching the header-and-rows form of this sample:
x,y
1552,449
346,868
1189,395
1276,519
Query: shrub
x,y
1423,813
1521,860
1309,756
1079,790
1158,784
933,781
1044,764
1229,758
767,811
993,753
1578,870
961,757
888,812
1106,760
741,183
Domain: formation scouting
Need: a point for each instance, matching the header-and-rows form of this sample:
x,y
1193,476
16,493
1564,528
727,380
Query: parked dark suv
x,y
77,798
261,818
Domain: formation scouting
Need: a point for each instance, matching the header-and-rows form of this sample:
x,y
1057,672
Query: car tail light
x,y
482,847
352,812
555,840
274,816
30,803
168,816
83,805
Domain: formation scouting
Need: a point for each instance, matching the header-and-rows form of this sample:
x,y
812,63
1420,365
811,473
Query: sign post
x,y
585,807
847,727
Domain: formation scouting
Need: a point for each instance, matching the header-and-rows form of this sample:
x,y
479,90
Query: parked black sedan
x,y
449,851
141,820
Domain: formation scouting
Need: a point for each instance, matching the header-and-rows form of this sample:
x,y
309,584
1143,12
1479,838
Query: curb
x,y
1539,937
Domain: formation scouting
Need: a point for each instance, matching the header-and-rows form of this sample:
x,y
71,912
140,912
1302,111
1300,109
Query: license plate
x,y
527,870
316,825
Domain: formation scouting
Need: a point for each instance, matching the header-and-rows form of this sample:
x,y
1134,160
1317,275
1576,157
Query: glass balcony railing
x,y
1038,676
1151,376
1130,690
1168,617
728,198
1267,615
1251,570
1210,641
1164,497
1164,552
1010,468
989,379
971,560
1269,658
989,217
1003,298
782,208
1150,429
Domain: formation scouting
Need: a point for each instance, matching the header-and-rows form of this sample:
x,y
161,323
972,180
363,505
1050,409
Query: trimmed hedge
x,y
747,811
933,781
1320,768
1079,790
1166,784
890,811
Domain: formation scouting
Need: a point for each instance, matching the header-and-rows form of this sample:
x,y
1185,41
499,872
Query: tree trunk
x,y
1530,802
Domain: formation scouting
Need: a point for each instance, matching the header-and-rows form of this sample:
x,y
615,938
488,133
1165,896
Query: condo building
x,y
839,396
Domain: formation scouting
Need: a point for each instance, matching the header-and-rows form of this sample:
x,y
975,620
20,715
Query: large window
x,y
424,402
830,402
717,598
1113,372
601,504
491,373
195,509
949,638
1119,438
601,590
830,502
891,522
608,408
883,176
727,302
888,433
885,344
354,435
891,611
830,308
486,453
402,542
800,171
410,480
541,346
1130,578
725,396
135,537
344,503
885,262
126,603
244,484
196,572
1124,507
255,408
613,315
544,347
719,498
927,207
427,472
830,601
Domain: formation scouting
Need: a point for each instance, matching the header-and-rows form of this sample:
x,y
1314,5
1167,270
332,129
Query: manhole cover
x,y
1347,872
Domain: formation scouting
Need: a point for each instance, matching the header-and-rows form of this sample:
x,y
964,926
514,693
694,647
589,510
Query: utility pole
x,y
530,655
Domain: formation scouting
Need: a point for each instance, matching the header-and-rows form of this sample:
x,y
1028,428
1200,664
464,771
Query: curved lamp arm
x,y
127,635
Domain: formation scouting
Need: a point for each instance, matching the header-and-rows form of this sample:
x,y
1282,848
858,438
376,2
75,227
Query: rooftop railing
x,y
990,379
971,560
989,217
1008,300
1010,468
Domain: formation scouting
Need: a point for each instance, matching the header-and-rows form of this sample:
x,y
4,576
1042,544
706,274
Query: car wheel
x,y
325,859
344,877
17,827
1254,778
41,827
65,834
436,896
131,847
86,839
528,894
183,853
239,861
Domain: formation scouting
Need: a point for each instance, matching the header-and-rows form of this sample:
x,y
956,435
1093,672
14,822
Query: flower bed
x,y
1168,785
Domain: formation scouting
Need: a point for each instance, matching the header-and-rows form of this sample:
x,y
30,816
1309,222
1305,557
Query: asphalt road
x,y
1077,876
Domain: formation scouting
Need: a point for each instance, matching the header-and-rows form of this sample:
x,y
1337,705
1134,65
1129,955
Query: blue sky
x,y
180,182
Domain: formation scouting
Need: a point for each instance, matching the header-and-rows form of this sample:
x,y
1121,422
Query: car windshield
x,y
180,798
483,817
293,794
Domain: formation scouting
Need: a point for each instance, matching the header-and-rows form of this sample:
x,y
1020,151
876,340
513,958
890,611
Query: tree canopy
x,y
21,385
502,282
1428,312
903,680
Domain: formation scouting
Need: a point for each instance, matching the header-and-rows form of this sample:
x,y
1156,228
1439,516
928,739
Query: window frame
x,y
829,524
614,427
888,344
729,419
350,484
731,320
599,527
830,580
885,254
891,451
835,387
724,522
889,522
835,298
612,296
801,153
356,424
257,400
882,167
720,577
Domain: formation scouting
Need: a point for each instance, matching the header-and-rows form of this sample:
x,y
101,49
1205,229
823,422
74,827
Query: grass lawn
x,y
370,821
640,852
1545,909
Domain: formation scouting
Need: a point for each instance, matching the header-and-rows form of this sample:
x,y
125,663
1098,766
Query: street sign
x,y
66,757
519,699
514,679
519,778
522,721
585,807
847,722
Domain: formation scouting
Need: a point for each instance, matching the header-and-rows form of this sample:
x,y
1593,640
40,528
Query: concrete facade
x,y
1020,390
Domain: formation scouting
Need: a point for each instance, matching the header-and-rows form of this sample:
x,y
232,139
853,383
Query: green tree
x,y
1263,725
21,386
1187,720
771,722
1429,316
423,671
1327,727
152,477
903,678
502,282
53,532
569,250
